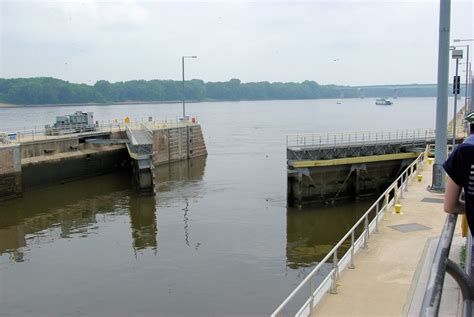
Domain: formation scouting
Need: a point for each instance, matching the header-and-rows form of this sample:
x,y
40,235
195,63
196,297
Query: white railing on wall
x,y
25,134
340,139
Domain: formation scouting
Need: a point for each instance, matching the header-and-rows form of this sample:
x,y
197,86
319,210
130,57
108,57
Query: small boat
x,y
383,102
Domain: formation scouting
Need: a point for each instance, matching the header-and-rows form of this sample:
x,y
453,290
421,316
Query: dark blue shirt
x,y
460,167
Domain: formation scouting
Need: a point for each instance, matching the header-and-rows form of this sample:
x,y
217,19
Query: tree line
x,y
46,90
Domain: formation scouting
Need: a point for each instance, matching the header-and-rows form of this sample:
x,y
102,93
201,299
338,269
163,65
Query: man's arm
x,y
452,204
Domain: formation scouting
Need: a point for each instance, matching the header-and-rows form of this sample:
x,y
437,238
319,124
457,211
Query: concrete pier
x,y
36,159
10,172
324,168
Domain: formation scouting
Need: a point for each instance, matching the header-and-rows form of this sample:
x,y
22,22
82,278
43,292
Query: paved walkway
x,y
390,277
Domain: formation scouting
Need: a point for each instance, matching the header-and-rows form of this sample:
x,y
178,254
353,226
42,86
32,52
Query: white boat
x,y
383,102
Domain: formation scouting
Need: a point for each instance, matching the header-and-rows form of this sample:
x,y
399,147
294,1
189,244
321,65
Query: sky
x,y
344,42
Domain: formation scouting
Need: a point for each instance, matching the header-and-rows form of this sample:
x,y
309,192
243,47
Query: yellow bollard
x,y
127,120
420,178
430,160
398,209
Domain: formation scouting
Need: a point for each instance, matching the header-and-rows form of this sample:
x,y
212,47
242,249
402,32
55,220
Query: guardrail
x,y
377,210
32,134
441,265
359,138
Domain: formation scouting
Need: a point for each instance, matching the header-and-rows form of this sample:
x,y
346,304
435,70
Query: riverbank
x,y
7,105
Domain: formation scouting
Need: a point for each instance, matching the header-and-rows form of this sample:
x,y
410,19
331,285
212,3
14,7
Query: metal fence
x,y
378,209
24,134
340,139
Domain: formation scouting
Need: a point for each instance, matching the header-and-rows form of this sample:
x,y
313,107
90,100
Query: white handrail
x,y
32,134
359,137
334,274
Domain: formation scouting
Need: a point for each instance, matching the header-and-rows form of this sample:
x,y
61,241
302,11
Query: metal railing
x,y
441,265
24,134
340,139
378,209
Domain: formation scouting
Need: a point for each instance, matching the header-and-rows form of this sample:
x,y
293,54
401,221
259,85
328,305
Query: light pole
x,y
467,67
439,182
457,54
467,85
182,63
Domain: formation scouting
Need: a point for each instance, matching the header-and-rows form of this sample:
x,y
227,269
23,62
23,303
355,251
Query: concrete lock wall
x,y
327,184
45,147
176,144
10,172
63,144
60,168
61,159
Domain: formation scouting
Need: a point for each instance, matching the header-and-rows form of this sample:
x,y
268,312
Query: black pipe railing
x,y
441,265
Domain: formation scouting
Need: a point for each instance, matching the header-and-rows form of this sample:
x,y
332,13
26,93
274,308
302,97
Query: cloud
x,y
110,14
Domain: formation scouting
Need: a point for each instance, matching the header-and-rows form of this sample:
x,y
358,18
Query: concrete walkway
x,y
390,277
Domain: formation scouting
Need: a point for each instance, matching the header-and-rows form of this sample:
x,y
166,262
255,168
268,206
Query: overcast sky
x,y
341,42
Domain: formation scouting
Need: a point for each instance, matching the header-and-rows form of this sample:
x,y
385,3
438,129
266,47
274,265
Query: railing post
x,y
387,201
351,265
395,193
366,233
377,217
406,181
335,274
401,186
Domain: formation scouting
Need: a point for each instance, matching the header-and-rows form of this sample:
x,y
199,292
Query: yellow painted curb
x,y
354,160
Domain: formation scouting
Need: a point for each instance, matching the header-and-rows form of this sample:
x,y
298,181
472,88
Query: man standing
x,y
460,169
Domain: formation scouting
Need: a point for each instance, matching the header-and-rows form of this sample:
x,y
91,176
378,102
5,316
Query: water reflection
x,y
143,222
313,231
62,211
76,209
179,184
169,175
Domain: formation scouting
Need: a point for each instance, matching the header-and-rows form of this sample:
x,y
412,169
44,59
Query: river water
x,y
216,240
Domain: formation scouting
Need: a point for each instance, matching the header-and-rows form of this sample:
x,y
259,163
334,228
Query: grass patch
x,y
462,257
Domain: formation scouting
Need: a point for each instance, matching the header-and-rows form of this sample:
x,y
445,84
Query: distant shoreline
x,y
7,105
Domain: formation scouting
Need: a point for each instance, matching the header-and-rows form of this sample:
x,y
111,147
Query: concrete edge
x,y
416,277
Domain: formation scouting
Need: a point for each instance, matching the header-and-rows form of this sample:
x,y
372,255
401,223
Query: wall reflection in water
x,y
313,231
63,211
179,185
79,208
143,222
